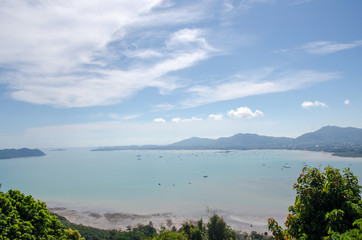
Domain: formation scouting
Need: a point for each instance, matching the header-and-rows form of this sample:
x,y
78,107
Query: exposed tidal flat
x,y
117,189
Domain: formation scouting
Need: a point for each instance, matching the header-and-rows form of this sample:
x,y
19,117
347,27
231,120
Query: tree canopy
x,y
328,205
21,217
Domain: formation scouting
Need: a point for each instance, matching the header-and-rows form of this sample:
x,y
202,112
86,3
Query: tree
x,y
218,230
169,235
73,234
194,232
21,217
326,203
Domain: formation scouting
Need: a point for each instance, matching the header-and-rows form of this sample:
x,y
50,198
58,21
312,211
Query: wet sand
x,y
105,219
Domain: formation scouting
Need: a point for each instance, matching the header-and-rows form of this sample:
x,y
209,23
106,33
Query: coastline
x,y
112,219
168,187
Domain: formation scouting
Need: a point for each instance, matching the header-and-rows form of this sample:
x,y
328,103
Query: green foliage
x,y
194,232
90,233
326,204
170,235
217,229
256,236
188,230
21,217
277,230
73,234
348,235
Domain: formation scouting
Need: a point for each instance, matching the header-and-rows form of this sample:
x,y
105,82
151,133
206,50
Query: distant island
x,y
346,142
59,150
19,153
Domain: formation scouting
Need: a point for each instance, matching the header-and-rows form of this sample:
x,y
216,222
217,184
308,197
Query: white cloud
x,y
217,117
325,47
111,87
81,53
347,102
176,120
159,120
244,112
185,120
66,54
308,104
188,38
264,81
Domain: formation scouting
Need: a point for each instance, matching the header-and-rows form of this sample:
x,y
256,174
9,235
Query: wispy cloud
x,y
347,102
325,47
81,54
309,104
106,86
185,120
143,54
78,54
163,107
264,81
116,116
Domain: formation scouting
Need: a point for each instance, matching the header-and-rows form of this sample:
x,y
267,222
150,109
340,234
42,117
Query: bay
x,y
256,183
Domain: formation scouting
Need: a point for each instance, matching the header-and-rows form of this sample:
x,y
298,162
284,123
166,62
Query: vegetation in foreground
x,y
215,229
328,206
22,217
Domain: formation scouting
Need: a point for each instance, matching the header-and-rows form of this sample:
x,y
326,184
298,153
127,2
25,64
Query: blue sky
x,y
105,73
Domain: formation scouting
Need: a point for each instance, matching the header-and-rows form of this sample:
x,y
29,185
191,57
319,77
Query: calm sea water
x,y
256,182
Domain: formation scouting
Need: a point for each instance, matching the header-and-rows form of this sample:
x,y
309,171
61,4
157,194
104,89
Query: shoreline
x,y
330,153
118,220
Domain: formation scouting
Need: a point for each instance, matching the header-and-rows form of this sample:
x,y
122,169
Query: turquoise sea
x,y
255,182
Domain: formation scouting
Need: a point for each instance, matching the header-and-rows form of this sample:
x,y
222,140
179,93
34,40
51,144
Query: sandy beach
x,y
106,219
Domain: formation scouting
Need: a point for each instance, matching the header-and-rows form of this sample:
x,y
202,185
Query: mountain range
x,y
340,141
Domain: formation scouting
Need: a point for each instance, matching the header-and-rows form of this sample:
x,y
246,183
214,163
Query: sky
x,y
109,73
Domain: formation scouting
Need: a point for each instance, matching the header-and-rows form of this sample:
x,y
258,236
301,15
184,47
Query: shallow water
x,y
253,183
